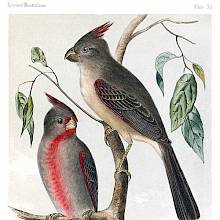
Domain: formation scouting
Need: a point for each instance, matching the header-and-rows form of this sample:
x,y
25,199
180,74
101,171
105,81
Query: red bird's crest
x,y
99,31
56,103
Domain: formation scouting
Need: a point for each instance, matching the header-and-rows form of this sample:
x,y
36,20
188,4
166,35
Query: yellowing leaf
x,y
200,72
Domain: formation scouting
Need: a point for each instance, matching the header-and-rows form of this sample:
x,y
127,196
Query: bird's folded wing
x,y
130,110
88,169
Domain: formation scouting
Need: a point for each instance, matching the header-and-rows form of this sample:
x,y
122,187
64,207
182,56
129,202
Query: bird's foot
x,y
86,215
54,216
120,170
108,131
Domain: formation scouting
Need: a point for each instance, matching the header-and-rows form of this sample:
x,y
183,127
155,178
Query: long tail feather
x,y
184,202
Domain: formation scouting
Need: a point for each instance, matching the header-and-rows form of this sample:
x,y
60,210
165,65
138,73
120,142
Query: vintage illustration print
x,y
110,117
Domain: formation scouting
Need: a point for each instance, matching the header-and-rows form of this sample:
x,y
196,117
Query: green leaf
x,y
27,113
159,65
20,101
192,130
37,55
183,99
30,129
160,82
200,72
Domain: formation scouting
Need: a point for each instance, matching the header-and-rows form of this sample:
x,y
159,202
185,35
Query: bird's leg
x,y
108,131
119,168
54,216
86,215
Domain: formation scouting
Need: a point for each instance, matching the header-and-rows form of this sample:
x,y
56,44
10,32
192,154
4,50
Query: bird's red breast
x,y
55,178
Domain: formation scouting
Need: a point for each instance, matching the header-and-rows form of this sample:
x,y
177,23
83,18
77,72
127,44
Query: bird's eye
x,y
85,49
59,120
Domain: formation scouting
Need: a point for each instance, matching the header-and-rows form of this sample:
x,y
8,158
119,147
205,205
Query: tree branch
x,y
129,34
67,96
117,206
160,22
126,37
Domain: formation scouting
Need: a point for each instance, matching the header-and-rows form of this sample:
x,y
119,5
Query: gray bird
x,y
121,100
65,163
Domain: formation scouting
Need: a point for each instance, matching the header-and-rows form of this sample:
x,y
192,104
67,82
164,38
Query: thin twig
x,y
176,34
34,82
29,81
188,60
67,96
28,216
54,75
159,22
183,56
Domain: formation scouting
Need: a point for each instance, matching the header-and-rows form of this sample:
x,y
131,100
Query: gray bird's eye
x,y
59,120
86,49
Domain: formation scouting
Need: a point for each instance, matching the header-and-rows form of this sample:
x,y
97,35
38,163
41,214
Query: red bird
x,y
65,163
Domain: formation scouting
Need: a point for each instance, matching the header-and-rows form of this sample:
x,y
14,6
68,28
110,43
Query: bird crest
x,y
99,31
57,103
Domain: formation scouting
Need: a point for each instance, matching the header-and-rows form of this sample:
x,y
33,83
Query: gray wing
x,y
88,169
130,110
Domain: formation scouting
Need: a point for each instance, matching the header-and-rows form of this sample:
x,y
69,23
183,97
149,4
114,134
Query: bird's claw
x,y
54,216
108,131
120,170
86,215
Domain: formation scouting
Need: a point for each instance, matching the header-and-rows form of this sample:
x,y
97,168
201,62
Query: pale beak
x,y
71,124
71,55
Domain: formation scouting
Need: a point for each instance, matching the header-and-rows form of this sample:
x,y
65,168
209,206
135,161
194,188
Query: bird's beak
x,y
71,55
71,124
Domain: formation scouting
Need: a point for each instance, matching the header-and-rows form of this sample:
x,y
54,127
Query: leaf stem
x,y
65,94
33,81
54,75
182,55
177,36
29,81
188,60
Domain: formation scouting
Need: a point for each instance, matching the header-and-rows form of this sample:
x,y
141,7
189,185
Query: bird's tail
x,y
185,204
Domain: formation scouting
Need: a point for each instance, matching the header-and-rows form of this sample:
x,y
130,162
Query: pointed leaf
x,y
37,55
30,129
159,65
200,72
192,130
20,101
27,113
183,100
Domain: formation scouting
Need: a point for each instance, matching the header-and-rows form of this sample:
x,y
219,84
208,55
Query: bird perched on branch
x,y
65,163
121,100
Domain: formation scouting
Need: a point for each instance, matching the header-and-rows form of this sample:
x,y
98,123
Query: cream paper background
x,y
148,194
